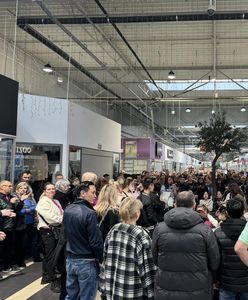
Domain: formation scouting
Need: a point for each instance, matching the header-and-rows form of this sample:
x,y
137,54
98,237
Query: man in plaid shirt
x,y
128,270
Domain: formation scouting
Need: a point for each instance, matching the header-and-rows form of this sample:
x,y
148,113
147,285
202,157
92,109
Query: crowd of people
x,y
155,235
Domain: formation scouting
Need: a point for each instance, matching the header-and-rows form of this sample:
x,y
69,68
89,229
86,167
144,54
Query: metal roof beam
x,y
190,17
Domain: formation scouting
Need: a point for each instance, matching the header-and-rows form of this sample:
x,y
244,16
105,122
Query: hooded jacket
x,y
185,251
233,274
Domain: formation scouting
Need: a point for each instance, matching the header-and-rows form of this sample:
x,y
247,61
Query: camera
x,y
211,10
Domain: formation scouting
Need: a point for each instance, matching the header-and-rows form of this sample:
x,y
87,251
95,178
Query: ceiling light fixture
x,y
213,111
173,112
243,108
188,110
60,79
171,75
47,68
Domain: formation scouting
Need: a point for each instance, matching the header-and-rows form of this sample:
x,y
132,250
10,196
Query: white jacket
x,y
49,211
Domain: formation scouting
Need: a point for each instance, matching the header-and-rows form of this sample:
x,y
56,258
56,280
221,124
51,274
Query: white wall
x,y
88,129
56,121
45,121
41,119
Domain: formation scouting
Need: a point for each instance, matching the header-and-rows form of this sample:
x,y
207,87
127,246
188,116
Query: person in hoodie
x,y
233,274
186,253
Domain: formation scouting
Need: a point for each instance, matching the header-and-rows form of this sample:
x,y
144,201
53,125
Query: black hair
x,y
25,172
147,182
84,186
46,184
106,175
235,207
185,199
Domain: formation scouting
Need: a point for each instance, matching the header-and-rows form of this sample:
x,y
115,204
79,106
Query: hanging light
x,y
188,110
171,75
213,111
243,108
47,68
60,79
173,112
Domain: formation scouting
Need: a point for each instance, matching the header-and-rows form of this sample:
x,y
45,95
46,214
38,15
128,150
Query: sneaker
x,y
3,276
22,266
16,268
6,271
11,271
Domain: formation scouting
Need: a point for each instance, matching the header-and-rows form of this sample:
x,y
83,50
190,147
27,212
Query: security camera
x,y
211,10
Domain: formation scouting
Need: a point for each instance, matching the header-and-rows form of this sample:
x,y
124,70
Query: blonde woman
x,y
26,225
128,270
107,209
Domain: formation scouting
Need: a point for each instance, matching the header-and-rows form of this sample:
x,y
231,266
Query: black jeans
x,y
19,247
7,250
49,243
33,241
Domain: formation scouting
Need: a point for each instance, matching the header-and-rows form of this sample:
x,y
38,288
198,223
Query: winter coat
x,y
148,215
63,198
185,251
112,217
233,274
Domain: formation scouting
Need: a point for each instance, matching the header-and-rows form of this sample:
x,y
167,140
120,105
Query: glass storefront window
x,y
42,160
6,158
75,161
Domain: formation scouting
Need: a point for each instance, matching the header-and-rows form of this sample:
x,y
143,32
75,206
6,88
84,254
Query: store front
x,y
43,160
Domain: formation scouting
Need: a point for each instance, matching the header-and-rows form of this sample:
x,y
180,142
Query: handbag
x,y
54,227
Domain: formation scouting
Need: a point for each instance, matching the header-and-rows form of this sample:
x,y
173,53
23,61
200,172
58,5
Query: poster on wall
x,y
130,149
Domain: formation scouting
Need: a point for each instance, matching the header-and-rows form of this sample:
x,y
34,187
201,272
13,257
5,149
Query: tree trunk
x,y
213,176
213,179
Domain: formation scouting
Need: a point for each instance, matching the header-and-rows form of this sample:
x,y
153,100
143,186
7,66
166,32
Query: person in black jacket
x,y
62,192
84,246
148,217
233,274
7,201
186,252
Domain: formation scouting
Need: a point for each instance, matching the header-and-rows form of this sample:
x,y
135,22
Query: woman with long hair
x,y
26,225
107,209
207,201
128,268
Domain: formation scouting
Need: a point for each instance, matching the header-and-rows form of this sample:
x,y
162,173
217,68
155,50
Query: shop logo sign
x,y
23,150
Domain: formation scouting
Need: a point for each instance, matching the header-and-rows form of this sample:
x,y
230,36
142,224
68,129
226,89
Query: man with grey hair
x,y
186,252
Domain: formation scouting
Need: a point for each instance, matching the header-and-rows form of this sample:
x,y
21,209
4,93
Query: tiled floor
x,y
27,286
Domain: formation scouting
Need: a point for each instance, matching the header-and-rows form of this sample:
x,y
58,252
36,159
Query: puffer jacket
x,y
233,274
185,251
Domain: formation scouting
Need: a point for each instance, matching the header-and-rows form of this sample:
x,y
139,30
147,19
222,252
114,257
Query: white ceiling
x,y
201,48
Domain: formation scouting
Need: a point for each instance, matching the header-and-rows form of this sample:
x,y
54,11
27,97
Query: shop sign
x,y
23,150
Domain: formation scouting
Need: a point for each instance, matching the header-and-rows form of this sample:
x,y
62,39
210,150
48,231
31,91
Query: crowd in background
x,y
127,230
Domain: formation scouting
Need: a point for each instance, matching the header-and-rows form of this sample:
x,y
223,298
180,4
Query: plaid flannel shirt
x,y
128,270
